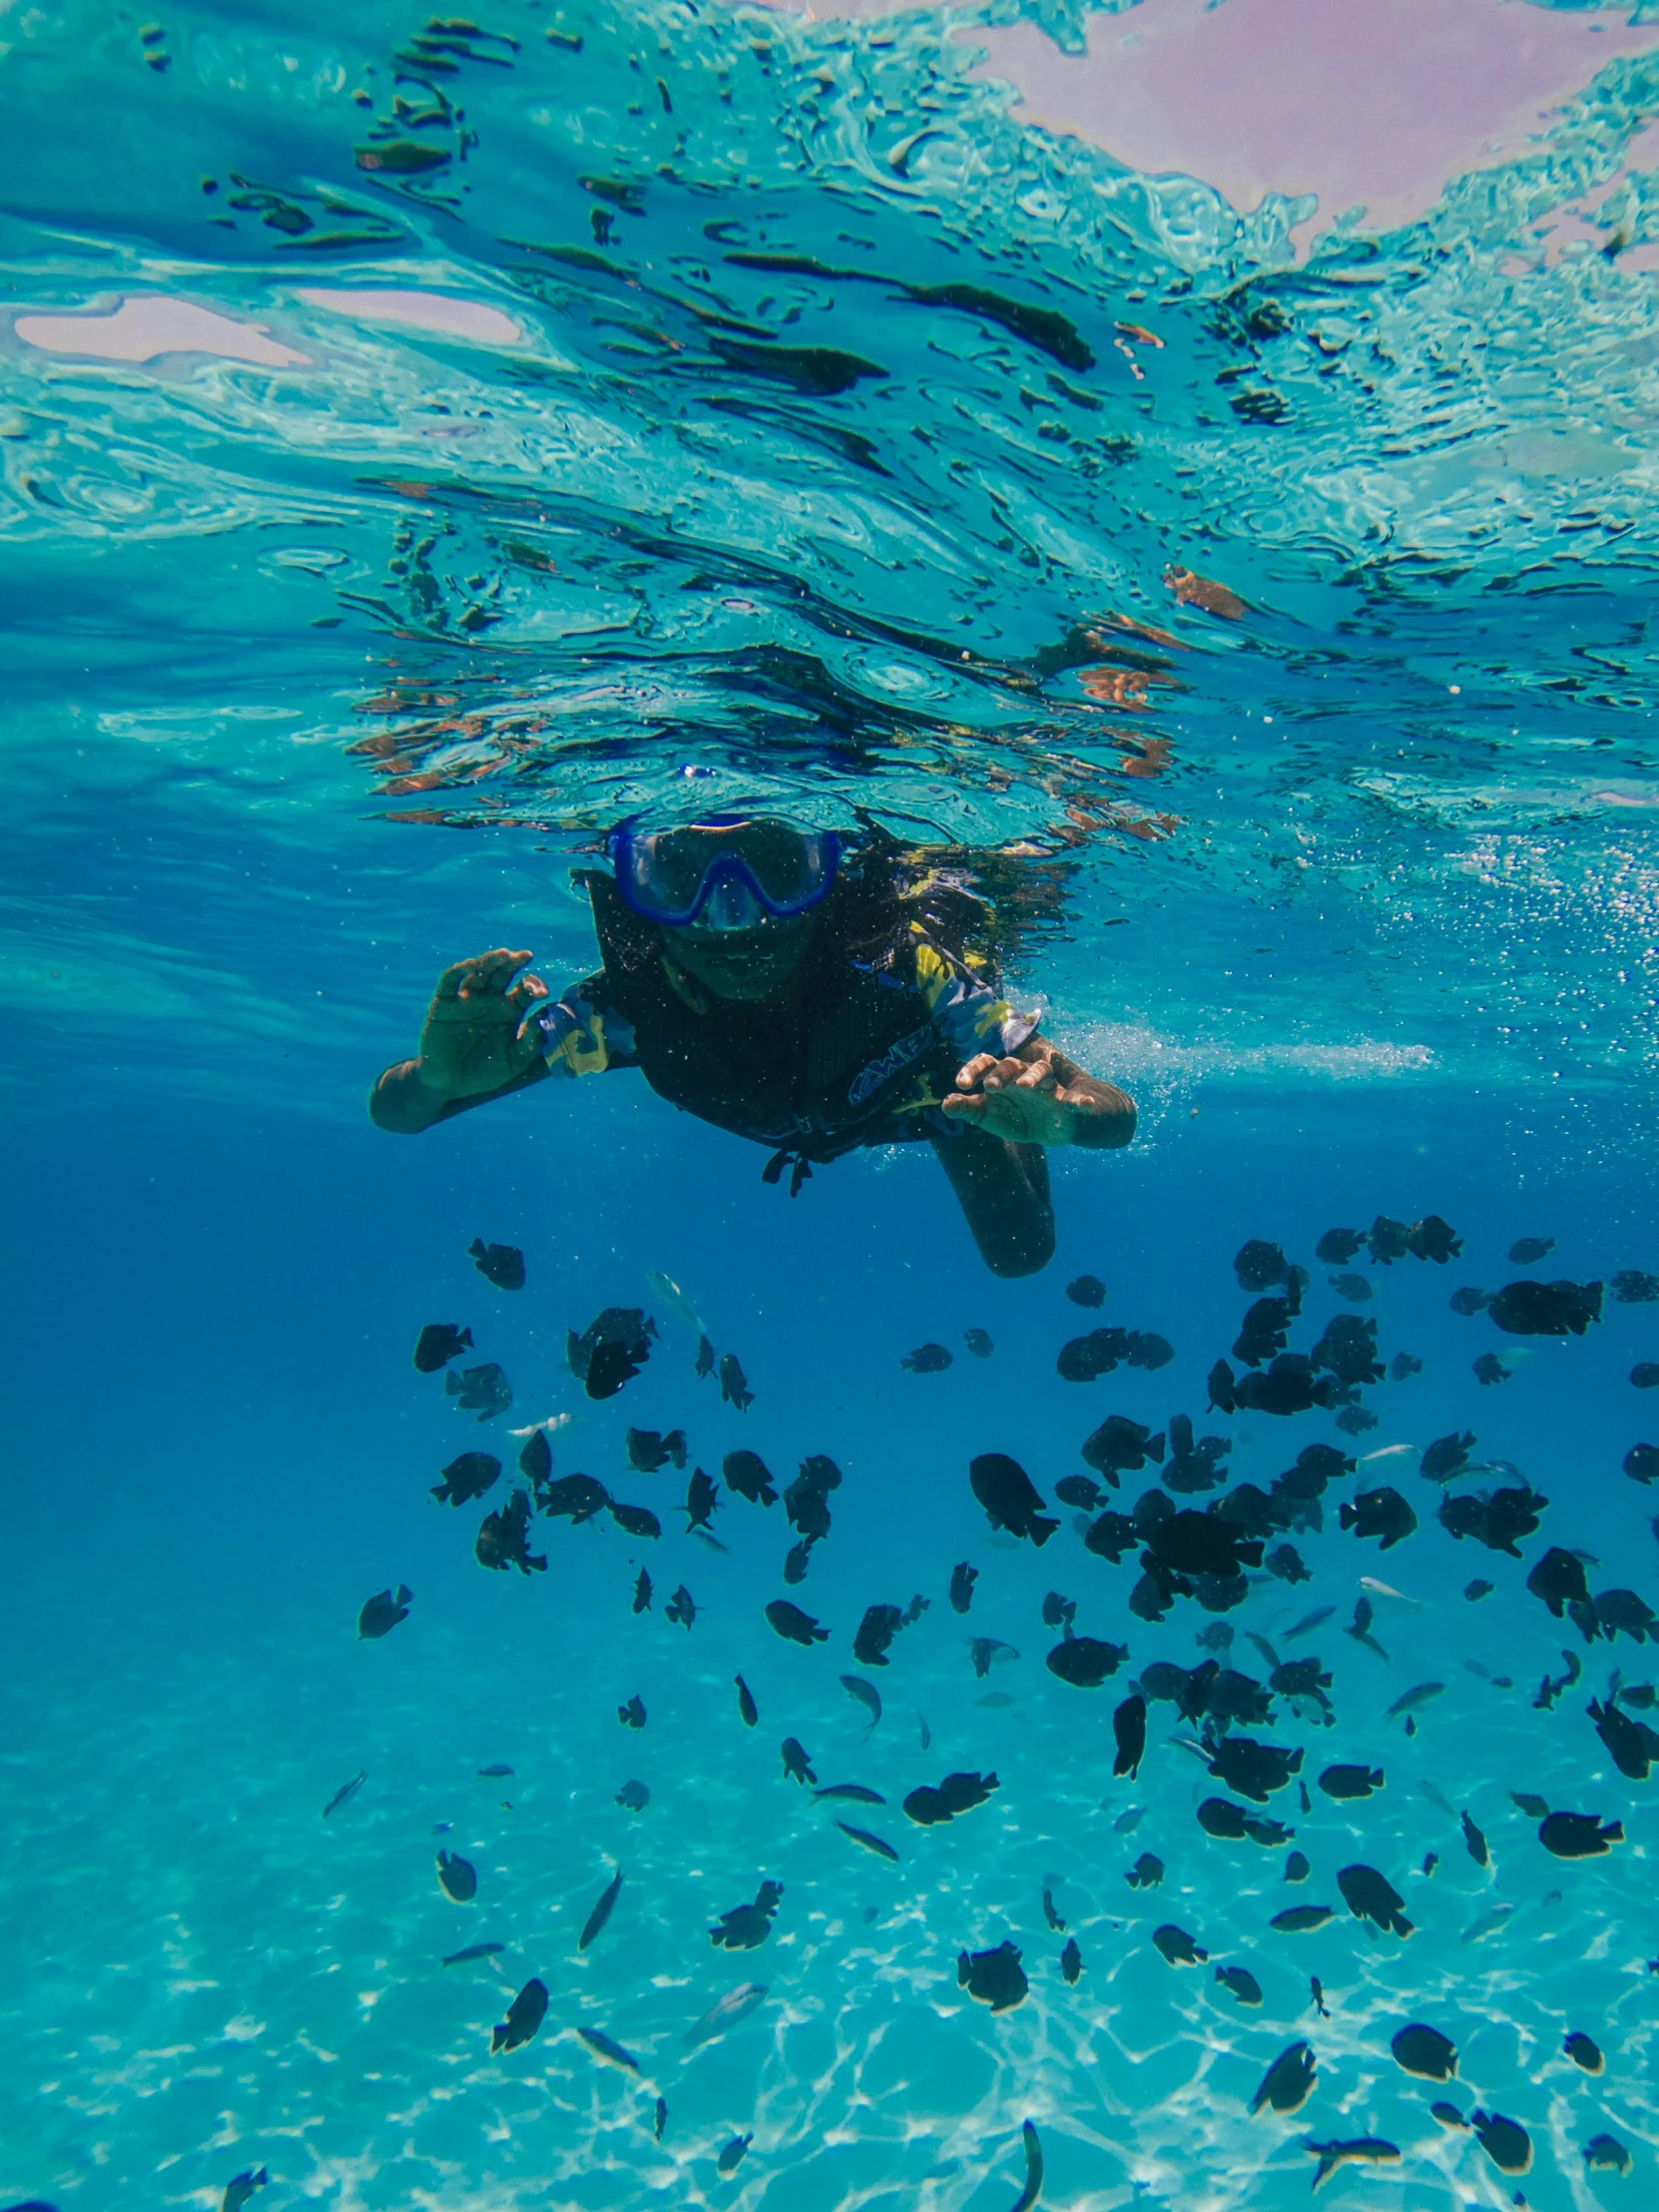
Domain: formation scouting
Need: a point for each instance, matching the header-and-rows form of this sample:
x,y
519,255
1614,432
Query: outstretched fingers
x,y
484,975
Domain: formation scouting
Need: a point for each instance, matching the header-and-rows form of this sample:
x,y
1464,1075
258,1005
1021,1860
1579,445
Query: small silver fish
x,y
597,2040
1309,1622
1413,1699
675,1299
1127,1823
854,1791
1488,1923
871,1843
735,2005
346,1793
863,1693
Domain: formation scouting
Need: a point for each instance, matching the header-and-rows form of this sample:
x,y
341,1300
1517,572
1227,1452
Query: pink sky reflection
x,y
1370,103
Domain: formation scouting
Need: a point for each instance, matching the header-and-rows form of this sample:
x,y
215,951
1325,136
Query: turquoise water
x,y
786,441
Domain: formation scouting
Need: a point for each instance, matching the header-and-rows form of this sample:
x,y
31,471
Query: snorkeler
x,y
796,990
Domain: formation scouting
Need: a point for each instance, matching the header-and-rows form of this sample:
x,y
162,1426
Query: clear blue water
x,y
320,675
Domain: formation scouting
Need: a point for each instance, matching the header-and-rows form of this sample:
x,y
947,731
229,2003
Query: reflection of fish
x,y
675,1299
735,2005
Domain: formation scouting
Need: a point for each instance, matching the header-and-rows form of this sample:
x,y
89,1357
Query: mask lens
x,y
681,875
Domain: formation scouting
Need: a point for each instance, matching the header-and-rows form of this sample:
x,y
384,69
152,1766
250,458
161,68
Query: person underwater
x,y
795,988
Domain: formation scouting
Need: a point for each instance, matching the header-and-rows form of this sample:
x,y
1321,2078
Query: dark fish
x,y
1147,1873
1370,1898
1526,1252
457,1877
1129,1732
1051,1915
1478,1589
1475,1843
1631,1287
633,1797
642,1592
1315,1995
871,1843
1505,2142
535,1460
381,1614
611,1351
1489,1370
1583,2053
524,2015
1355,2150
745,1702
1345,1783
242,2186
978,1343
736,2005
1085,1661
344,1794
1080,1491
632,1715
875,1633
650,1449
1447,2115
1424,2051
984,1651
747,1926
747,1473
659,2119
806,1500
1547,1308
732,2154
474,1951
705,1357
1446,1456
854,1793
1119,1446
1177,1947
504,1539
601,2044
1360,1628
1240,1985
574,1497
1622,1611
636,1521
1470,1300
439,1343
1641,1462
795,1626
483,1390
702,1497
1286,1564
1289,2081
796,1562
681,1607
1497,1520
496,1773
733,1384
502,1265
1005,1491
1558,1579
1535,1808
993,1978
1301,1920
1384,1513
1298,1867
1086,1290
1602,2154
1254,1769
798,1766
1338,1245
1259,1264
1071,1962
1355,1287
1404,1366
1579,1834
1632,1745
928,1359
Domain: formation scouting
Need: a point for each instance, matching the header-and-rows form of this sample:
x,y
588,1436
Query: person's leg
x,y
1003,1190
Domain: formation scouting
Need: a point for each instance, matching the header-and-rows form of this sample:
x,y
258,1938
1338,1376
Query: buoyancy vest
x,y
812,1077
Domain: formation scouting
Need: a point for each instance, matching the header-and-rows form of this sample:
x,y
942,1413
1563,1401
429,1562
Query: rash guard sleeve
x,y
583,1034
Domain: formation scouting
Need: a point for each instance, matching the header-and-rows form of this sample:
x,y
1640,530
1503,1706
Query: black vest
x,y
814,1077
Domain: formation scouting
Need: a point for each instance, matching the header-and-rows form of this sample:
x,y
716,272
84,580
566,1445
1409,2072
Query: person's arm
x,y
479,1042
1012,1083
1038,1095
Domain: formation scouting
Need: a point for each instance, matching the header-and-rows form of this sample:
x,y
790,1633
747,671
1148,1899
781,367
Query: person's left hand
x,y
1030,1098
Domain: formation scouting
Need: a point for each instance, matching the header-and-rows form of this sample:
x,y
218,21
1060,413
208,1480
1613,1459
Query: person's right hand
x,y
473,1037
